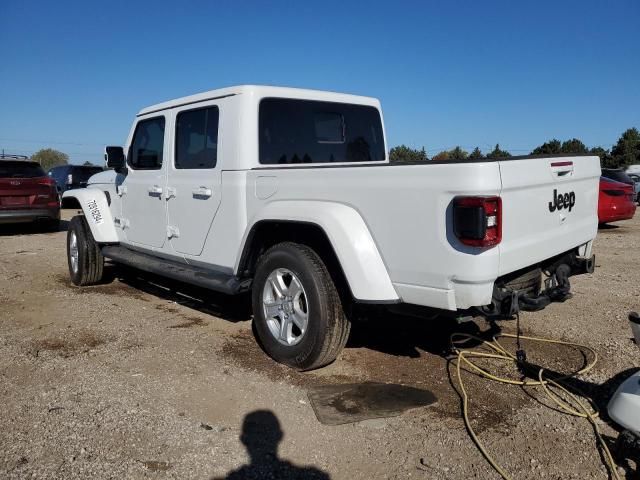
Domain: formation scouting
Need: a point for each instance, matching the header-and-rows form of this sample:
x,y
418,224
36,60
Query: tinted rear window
x,y
617,175
197,138
20,170
305,131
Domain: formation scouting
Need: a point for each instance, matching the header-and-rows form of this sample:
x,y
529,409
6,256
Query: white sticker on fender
x,y
94,210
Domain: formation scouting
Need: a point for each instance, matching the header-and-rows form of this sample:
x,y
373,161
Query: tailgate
x,y
22,192
549,206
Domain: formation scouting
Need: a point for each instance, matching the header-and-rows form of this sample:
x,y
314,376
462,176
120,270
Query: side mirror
x,y
114,157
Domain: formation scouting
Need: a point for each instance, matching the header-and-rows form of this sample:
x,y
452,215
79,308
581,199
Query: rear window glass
x,y
617,175
83,174
197,138
20,170
305,131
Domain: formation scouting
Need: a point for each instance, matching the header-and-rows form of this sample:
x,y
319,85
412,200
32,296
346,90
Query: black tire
x,y
90,265
327,325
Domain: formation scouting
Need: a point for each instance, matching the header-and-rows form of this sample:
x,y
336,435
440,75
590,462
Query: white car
x,y
289,193
636,185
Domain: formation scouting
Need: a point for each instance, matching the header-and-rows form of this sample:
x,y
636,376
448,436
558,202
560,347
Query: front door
x,y
193,184
144,215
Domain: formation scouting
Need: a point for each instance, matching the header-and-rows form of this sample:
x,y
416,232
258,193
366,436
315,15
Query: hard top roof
x,y
261,91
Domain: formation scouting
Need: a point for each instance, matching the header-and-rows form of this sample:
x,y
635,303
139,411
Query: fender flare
x,y
97,212
350,238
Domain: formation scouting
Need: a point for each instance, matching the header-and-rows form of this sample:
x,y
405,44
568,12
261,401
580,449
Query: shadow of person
x,y
261,434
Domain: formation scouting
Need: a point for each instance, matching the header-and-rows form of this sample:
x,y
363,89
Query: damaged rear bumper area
x,y
523,290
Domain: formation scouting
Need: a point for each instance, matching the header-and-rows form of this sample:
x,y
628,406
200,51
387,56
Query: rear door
x,y
144,215
193,184
549,206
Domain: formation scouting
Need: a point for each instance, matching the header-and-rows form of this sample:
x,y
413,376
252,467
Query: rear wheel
x,y
85,259
298,315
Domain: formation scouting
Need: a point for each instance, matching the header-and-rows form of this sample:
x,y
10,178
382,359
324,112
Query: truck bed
x,y
408,209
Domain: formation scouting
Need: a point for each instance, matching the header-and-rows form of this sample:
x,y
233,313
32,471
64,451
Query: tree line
x,y
49,158
624,153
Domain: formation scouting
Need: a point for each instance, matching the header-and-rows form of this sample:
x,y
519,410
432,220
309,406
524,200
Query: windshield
x,y
20,170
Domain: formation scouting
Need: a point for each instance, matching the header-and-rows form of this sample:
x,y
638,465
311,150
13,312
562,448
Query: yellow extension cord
x,y
582,410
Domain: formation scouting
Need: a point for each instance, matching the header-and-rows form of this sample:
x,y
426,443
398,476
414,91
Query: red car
x,y
615,202
27,194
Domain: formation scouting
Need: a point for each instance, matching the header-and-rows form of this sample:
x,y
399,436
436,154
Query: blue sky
x,y
73,74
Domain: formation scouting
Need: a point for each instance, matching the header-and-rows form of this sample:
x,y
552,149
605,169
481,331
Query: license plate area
x,y
14,201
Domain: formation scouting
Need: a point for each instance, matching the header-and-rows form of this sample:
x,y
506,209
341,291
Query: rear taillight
x,y
53,191
614,193
69,179
477,221
50,182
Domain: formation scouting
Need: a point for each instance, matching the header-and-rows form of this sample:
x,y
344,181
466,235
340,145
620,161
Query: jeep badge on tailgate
x,y
567,200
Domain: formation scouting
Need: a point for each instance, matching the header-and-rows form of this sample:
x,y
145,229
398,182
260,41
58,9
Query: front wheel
x,y
298,315
84,257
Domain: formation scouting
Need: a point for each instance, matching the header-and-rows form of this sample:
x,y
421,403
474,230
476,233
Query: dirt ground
x,y
142,378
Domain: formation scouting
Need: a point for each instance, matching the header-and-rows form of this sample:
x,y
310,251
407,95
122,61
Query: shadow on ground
x,y
407,336
608,226
261,435
232,308
36,228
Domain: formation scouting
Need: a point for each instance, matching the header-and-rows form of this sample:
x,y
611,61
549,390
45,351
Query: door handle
x,y
202,192
562,168
155,190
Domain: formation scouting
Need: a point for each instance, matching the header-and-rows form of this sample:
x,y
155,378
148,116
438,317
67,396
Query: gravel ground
x,y
141,378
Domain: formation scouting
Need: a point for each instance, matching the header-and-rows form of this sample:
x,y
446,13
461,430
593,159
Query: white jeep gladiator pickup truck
x,y
289,194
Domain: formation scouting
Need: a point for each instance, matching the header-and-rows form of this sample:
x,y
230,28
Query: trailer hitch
x,y
557,288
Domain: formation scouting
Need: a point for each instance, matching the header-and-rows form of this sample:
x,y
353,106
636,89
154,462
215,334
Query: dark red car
x,y
616,201
27,194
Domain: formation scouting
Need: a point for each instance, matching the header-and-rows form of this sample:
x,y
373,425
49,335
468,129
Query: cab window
x,y
197,138
146,151
306,131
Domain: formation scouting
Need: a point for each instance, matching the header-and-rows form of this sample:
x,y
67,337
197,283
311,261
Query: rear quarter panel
x,y
407,209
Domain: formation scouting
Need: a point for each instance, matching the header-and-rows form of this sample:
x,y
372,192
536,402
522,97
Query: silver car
x,y
636,185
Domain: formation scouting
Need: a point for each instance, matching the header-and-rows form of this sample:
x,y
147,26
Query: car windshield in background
x,y
19,169
617,175
306,131
81,175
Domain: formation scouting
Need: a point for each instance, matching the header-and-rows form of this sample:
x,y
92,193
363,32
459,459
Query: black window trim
x,y
133,137
266,166
175,135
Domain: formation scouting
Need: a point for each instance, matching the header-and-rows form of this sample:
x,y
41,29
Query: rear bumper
x,y
465,294
26,215
614,212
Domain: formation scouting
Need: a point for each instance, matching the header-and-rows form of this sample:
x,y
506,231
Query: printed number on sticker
x,y
95,212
